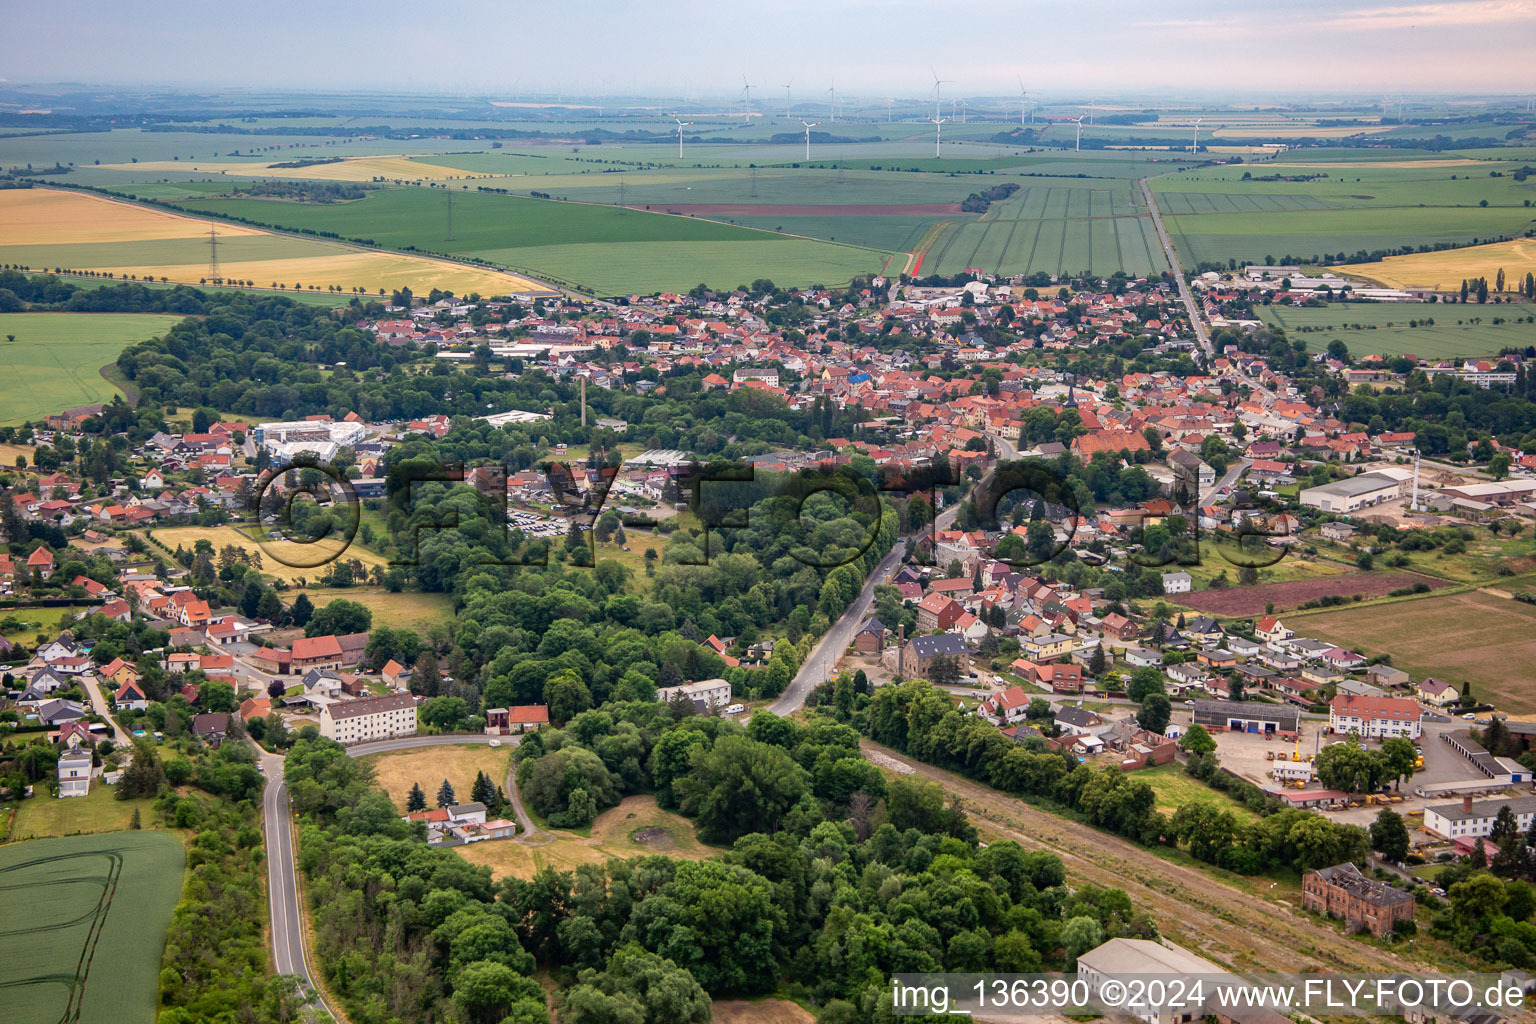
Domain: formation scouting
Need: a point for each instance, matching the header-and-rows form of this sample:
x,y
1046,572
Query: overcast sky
x,y
873,48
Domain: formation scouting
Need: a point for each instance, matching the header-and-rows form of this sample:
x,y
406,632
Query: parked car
x,y
735,709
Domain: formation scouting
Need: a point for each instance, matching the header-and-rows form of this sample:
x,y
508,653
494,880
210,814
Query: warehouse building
x,y
1342,497
1247,716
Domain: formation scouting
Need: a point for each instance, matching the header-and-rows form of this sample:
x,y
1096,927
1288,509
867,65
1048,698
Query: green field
x,y
45,817
54,362
85,925
612,250
1382,328
1057,228
1341,201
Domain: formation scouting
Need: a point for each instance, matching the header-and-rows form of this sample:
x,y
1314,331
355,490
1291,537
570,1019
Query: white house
x,y
714,693
1177,582
75,773
1375,717
1470,818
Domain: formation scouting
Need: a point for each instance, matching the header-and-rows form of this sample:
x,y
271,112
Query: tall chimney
x,y
1466,804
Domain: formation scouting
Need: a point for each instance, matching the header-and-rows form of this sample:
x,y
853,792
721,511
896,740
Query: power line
x,y
214,273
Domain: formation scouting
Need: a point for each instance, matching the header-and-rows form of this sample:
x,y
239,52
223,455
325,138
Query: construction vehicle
x,y
1281,755
1269,755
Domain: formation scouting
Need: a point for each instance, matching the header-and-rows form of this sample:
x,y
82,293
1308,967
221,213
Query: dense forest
x,y
828,880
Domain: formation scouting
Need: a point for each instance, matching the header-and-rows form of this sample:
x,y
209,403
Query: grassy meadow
x,y
637,827
55,359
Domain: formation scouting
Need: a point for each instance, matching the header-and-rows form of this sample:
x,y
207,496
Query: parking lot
x,y
535,525
1245,754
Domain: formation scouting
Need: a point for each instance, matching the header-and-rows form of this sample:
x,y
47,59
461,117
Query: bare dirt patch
x,y
759,1011
774,210
655,837
1238,602
1469,637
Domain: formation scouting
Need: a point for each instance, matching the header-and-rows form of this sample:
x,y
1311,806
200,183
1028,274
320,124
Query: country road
x,y
289,952
1178,273
822,660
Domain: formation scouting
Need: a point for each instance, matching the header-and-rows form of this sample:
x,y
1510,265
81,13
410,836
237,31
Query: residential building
x,y
372,718
919,654
1177,582
707,694
75,773
1043,648
1076,721
1375,717
1437,693
1474,819
1363,904
316,652
505,721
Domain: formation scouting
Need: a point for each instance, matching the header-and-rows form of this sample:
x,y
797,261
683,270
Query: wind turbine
x,y
937,81
681,124
832,102
1078,120
1196,148
808,126
746,96
938,134
1023,99
786,97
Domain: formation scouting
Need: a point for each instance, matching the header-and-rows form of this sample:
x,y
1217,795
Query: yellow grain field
x,y
57,218
45,216
1447,269
171,537
362,168
429,766
349,268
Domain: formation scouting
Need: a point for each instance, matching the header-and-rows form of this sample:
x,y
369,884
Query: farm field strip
x,y
86,924
1383,329
1448,268
143,242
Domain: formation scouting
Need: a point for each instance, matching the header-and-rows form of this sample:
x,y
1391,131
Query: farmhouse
x,y
1363,904
372,718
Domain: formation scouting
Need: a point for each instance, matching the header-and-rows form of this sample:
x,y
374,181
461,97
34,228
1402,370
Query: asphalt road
x,y
289,955
820,663
99,706
1178,273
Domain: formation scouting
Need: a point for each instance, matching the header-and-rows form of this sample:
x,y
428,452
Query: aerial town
x,y
545,638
